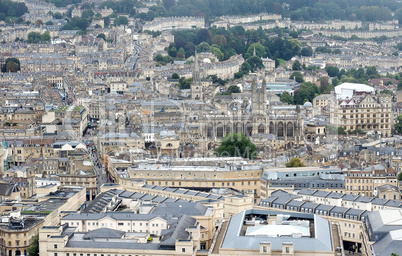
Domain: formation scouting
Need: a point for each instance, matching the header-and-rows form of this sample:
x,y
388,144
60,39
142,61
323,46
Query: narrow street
x,y
98,167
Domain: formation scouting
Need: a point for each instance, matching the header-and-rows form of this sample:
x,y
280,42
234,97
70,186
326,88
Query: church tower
x,y
259,99
196,85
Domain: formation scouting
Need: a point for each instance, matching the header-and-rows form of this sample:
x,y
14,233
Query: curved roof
x,y
346,90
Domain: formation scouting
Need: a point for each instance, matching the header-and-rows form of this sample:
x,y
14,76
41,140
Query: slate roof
x,y
6,189
180,208
178,231
390,243
104,233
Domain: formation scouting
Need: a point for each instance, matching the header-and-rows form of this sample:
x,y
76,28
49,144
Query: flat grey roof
x,y
321,242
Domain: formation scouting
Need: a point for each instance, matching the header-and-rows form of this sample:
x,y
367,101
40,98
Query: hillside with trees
x,y
308,10
226,43
10,10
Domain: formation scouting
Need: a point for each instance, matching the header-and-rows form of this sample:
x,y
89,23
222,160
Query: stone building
x,y
358,107
285,123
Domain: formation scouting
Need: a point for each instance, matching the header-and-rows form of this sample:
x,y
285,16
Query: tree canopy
x,y
295,162
63,3
121,20
296,65
77,23
33,249
11,65
10,9
236,145
398,125
311,10
36,37
234,89
306,92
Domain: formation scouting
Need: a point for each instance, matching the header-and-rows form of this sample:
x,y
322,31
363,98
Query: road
x,y
98,167
131,62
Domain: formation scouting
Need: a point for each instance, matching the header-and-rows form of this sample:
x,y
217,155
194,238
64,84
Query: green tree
x,y
294,34
87,14
234,89
398,125
217,52
121,20
168,3
341,130
400,176
219,40
181,53
307,51
255,63
49,23
11,66
325,86
306,92
33,249
57,15
297,76
34,37
184,83
45,37
172,51
287,98
203,35
296,65
163,60
372,72
400,84
259,51
236,145
101,35
245,68
335,81
175,76
76,23
295,162
15,60
203,47
332,71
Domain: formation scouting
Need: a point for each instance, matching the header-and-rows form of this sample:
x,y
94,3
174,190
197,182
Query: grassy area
x,y
78,108
281,61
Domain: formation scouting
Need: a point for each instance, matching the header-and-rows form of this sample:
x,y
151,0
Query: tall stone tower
x,y
196,85
259,99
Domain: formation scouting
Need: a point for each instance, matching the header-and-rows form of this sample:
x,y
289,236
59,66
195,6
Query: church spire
x,y
254,54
